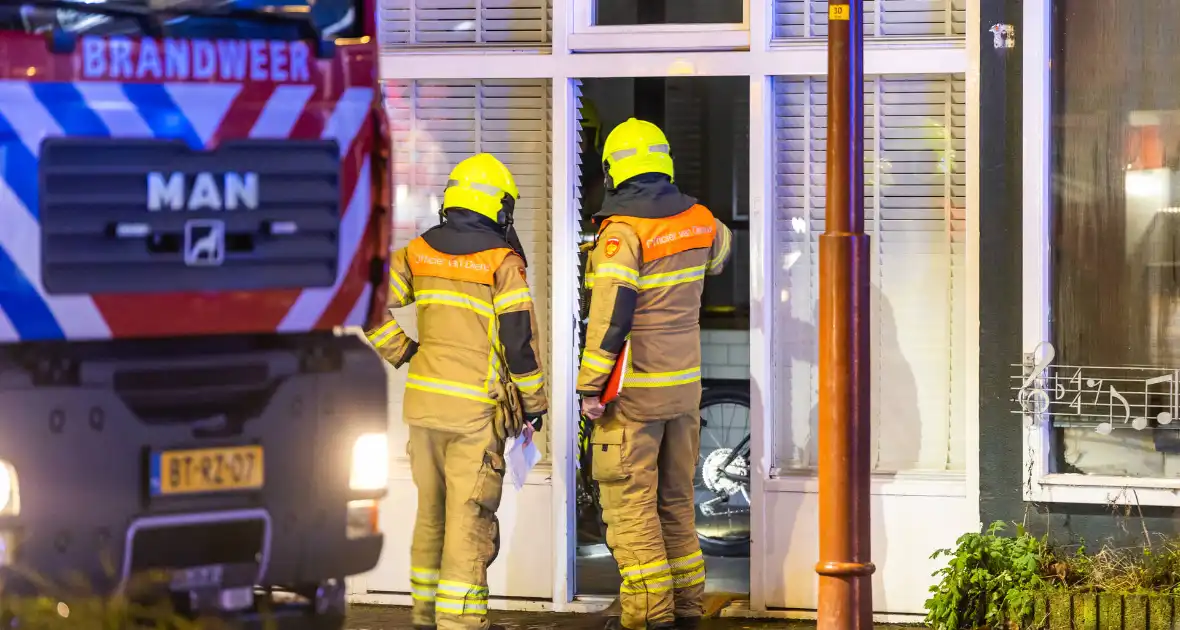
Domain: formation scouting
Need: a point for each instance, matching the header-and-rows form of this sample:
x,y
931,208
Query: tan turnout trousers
x,y
460,477
650,514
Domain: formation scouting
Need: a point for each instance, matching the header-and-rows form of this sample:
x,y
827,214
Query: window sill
x,y
913,484
955,42
684,39
1104,490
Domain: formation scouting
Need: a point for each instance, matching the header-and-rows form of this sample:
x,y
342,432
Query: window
x,y
883,18
1115,290
505,23
435,124
621,12
915,213
618,25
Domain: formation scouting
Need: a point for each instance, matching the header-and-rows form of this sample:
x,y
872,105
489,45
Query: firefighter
x,y
655,245
475,378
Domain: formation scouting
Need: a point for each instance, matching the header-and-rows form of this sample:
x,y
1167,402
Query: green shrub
x,y
989,580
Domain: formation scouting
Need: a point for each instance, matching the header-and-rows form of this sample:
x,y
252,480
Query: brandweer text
x,y
689,232
196,60
458,263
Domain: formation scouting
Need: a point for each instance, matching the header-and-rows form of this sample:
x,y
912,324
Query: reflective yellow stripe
x,y
512,298
618,272
663,379
688,570
645,569
722,253
456,299
423,583
683,276
684,563
460,607
447,388
399,289
655,577
596,364
423,592
460,598
589,282
530,384
384,334
651,586
427,575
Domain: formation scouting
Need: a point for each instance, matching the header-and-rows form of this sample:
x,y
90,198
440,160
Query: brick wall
x,y
725,354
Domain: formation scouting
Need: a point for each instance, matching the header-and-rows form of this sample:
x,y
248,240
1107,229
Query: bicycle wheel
x,y
723,503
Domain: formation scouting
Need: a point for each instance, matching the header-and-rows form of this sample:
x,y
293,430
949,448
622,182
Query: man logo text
x,y
202,191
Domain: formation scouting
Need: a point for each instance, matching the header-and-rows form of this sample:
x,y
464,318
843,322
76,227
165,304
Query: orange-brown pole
x,y
845,595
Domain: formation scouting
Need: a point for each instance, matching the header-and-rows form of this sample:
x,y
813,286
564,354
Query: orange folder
x,y
614,384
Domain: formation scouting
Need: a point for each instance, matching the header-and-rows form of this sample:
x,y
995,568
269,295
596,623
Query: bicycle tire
x,y
726,394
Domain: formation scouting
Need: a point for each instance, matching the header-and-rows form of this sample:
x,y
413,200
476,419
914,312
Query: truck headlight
x,y
9,490
370,462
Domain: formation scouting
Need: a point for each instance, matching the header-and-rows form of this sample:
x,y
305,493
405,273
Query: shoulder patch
x,y
611,247
523,275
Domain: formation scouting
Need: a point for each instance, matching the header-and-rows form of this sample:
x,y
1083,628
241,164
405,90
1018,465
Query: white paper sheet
x,y
521,459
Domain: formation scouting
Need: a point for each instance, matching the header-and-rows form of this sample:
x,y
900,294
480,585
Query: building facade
x,y
740,87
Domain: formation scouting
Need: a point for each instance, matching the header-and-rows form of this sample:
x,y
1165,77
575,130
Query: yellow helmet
x,y
479,184
633,148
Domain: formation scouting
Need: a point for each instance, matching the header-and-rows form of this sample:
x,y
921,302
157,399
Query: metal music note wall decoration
x,y
1102,398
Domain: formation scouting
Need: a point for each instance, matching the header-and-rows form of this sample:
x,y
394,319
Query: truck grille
x,y
137,216
184,546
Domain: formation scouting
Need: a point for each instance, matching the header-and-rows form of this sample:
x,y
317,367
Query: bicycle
x,y
721,484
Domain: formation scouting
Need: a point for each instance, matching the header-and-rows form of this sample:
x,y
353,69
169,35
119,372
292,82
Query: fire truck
x,y
193,221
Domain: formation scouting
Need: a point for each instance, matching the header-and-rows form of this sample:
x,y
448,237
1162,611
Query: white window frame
x,y
761,63
587,36
1040,485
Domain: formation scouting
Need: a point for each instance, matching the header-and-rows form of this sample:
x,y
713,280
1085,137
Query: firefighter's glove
x,y
411,350
510,416
535,420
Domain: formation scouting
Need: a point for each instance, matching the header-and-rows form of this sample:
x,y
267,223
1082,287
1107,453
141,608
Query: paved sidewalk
x,y
384,618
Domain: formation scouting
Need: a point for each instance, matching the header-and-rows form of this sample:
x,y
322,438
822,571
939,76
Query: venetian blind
x,y
508,23
435,124
915,214
882,18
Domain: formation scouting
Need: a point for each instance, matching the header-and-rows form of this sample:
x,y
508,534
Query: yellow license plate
x,y
206,470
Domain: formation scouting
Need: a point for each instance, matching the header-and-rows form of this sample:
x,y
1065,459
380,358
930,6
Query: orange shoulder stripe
x,y
479,267
692,229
